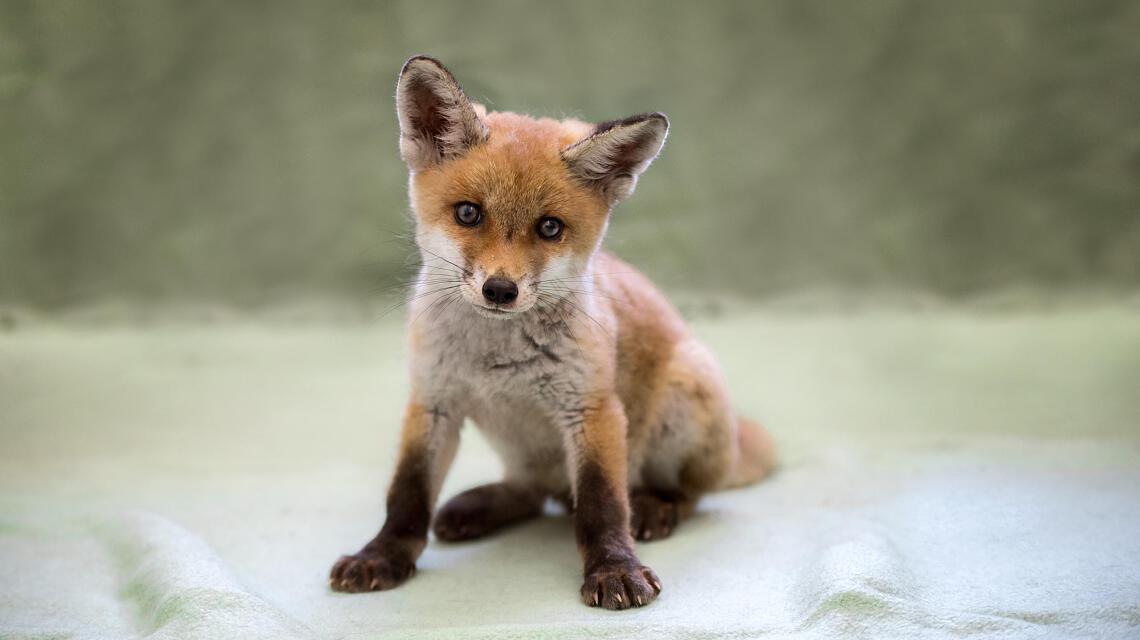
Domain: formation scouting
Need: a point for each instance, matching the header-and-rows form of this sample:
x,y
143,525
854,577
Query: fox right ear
x,y
437,121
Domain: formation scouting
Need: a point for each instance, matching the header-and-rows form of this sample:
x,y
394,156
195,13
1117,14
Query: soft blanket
x,y
944,474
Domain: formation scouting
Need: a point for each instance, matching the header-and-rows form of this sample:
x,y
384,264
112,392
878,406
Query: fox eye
x,y
468,214
549,228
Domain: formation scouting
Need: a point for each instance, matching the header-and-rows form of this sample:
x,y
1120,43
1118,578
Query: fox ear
x,y
612,157
437,121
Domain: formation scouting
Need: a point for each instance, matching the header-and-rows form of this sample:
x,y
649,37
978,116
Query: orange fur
x,y
518,175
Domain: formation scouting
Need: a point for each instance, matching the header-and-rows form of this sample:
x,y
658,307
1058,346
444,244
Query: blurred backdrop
x,y
244,153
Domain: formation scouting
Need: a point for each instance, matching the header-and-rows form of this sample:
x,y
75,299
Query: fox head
x,y
510,209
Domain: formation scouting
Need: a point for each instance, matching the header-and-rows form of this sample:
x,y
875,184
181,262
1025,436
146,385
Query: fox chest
x,y
511,383
490,367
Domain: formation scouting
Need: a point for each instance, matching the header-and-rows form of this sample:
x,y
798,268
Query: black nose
x,y
500,290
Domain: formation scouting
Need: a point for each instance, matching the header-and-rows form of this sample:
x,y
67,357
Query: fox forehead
x,y
517,175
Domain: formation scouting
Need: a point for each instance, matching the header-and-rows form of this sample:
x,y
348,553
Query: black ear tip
x,y
645,121
422,62
654,121
655,118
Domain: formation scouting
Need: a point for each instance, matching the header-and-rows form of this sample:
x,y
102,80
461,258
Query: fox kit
x,y
578,372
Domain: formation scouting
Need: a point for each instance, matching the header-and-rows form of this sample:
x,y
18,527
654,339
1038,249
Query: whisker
x,y
435,302
586,276
447,305
446,260
595,294
439,267
586,313
413,283
434,271
415,297
441,289
561,318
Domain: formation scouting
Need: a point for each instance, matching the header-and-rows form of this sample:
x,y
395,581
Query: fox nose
x,y
500,290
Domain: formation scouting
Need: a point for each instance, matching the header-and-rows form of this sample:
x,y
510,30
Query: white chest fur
x,y
521,380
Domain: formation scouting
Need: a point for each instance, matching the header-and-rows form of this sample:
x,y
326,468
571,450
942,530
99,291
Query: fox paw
x,y
486,509
370,572
620,586
652,517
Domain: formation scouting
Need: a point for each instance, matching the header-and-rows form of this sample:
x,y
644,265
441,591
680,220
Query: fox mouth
x,y
494,312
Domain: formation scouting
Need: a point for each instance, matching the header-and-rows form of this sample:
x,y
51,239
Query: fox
x,y
578,372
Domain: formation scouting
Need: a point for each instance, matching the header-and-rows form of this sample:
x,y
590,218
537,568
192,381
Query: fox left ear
x,y
612,157
437,121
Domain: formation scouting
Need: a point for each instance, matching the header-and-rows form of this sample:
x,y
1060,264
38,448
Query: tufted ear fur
x,y
612,157
437,121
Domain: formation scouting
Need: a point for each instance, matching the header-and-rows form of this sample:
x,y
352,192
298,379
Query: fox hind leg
x,y
485,509
693,436
654,514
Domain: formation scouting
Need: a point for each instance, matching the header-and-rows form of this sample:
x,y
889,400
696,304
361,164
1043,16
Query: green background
x,y
244,153
966,467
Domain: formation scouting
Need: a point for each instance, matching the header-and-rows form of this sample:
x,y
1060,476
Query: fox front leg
x,y
614,577
428,441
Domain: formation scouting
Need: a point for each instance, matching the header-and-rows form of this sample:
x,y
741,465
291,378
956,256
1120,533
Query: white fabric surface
x,y
945,474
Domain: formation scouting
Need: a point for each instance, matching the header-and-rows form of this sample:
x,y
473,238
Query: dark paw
x,y
621,586
483,510
651,517
457,526
370,572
